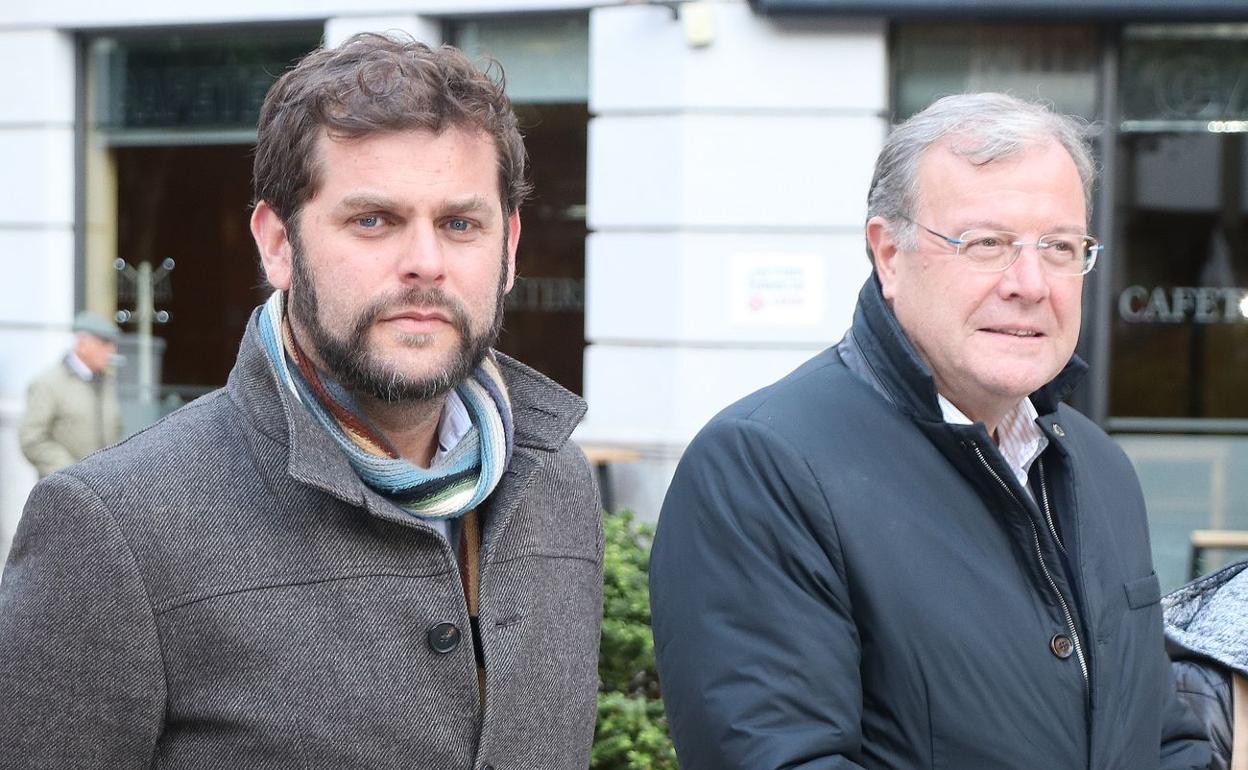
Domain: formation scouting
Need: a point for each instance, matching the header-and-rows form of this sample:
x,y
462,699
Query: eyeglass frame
x,y
1094,250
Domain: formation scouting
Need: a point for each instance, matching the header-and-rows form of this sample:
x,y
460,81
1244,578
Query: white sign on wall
x,y
777,289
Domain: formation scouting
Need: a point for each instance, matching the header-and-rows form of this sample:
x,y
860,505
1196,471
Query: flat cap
x,y
93,324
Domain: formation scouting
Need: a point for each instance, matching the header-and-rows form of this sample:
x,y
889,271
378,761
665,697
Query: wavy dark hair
x,y
375,83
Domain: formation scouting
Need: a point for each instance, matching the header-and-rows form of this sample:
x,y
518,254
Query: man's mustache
x,y
419,297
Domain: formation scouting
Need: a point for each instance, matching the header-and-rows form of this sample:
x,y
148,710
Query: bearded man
x,y
376,546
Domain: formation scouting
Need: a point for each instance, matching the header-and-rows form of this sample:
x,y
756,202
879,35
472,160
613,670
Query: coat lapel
x,y
545,415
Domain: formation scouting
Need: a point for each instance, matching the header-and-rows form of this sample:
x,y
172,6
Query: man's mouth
x,y
418,315
1016,332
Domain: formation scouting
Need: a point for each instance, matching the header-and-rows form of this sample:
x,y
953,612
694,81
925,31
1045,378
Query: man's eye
x,y
370,221
459,225
986,242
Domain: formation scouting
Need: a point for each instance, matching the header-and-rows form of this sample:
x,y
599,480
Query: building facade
x,y
701,171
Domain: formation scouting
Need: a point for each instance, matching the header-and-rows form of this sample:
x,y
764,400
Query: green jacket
x,y
67,418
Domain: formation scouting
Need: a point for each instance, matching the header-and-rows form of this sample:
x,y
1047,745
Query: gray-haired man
x,y
909,553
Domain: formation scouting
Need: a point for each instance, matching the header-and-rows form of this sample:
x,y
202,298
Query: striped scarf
x,y
453,485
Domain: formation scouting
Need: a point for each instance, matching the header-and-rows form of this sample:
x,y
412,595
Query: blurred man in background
x,y
72,409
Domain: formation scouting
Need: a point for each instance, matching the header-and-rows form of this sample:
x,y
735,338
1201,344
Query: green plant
x,y
632,730
631,735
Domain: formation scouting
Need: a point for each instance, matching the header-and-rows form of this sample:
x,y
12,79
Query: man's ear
x,y
884,250
513,241
273,242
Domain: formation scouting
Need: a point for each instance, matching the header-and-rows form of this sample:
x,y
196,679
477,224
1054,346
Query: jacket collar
x,y
544,415
878,350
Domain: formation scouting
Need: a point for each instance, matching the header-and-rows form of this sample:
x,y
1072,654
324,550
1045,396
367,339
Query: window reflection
x,y
1180,331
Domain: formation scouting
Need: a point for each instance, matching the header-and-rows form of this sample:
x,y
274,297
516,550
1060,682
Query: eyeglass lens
x,y
1066,253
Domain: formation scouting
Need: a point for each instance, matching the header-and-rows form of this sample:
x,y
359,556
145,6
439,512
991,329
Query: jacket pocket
x,y
1143,592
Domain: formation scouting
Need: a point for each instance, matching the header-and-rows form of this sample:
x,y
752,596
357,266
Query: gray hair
x,y
982,127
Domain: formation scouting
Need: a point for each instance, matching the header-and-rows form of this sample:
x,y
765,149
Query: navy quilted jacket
x,y
841,579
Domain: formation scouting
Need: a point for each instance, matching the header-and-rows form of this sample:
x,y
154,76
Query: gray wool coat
x,y
221,591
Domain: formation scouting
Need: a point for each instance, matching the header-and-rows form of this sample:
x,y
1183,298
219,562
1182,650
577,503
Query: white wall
x,y
36,233
84,14
421,28
715,171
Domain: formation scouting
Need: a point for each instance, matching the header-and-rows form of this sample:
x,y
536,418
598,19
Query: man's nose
x,y
423,257
1027,277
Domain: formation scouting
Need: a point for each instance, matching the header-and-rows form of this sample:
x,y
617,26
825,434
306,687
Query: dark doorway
x,y
191,204
545,322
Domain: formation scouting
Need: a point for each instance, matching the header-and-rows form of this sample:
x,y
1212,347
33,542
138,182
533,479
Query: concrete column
x,y
423,28
36,234
729,160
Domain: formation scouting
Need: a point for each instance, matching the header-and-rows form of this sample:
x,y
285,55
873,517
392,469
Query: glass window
x,y
1184,78
1180,287
546,58
1190,483
1179,314
1052,63
154,88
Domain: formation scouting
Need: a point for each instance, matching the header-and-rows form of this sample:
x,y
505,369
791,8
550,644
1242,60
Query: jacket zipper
x,y
1035,534
1048,513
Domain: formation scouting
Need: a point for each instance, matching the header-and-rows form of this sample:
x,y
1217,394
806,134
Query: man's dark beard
x,y
353,365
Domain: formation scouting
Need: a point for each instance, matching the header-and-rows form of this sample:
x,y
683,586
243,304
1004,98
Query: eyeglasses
x,y
992,251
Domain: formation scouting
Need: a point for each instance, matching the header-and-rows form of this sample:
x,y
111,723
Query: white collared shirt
x,y
1018,437
452,426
